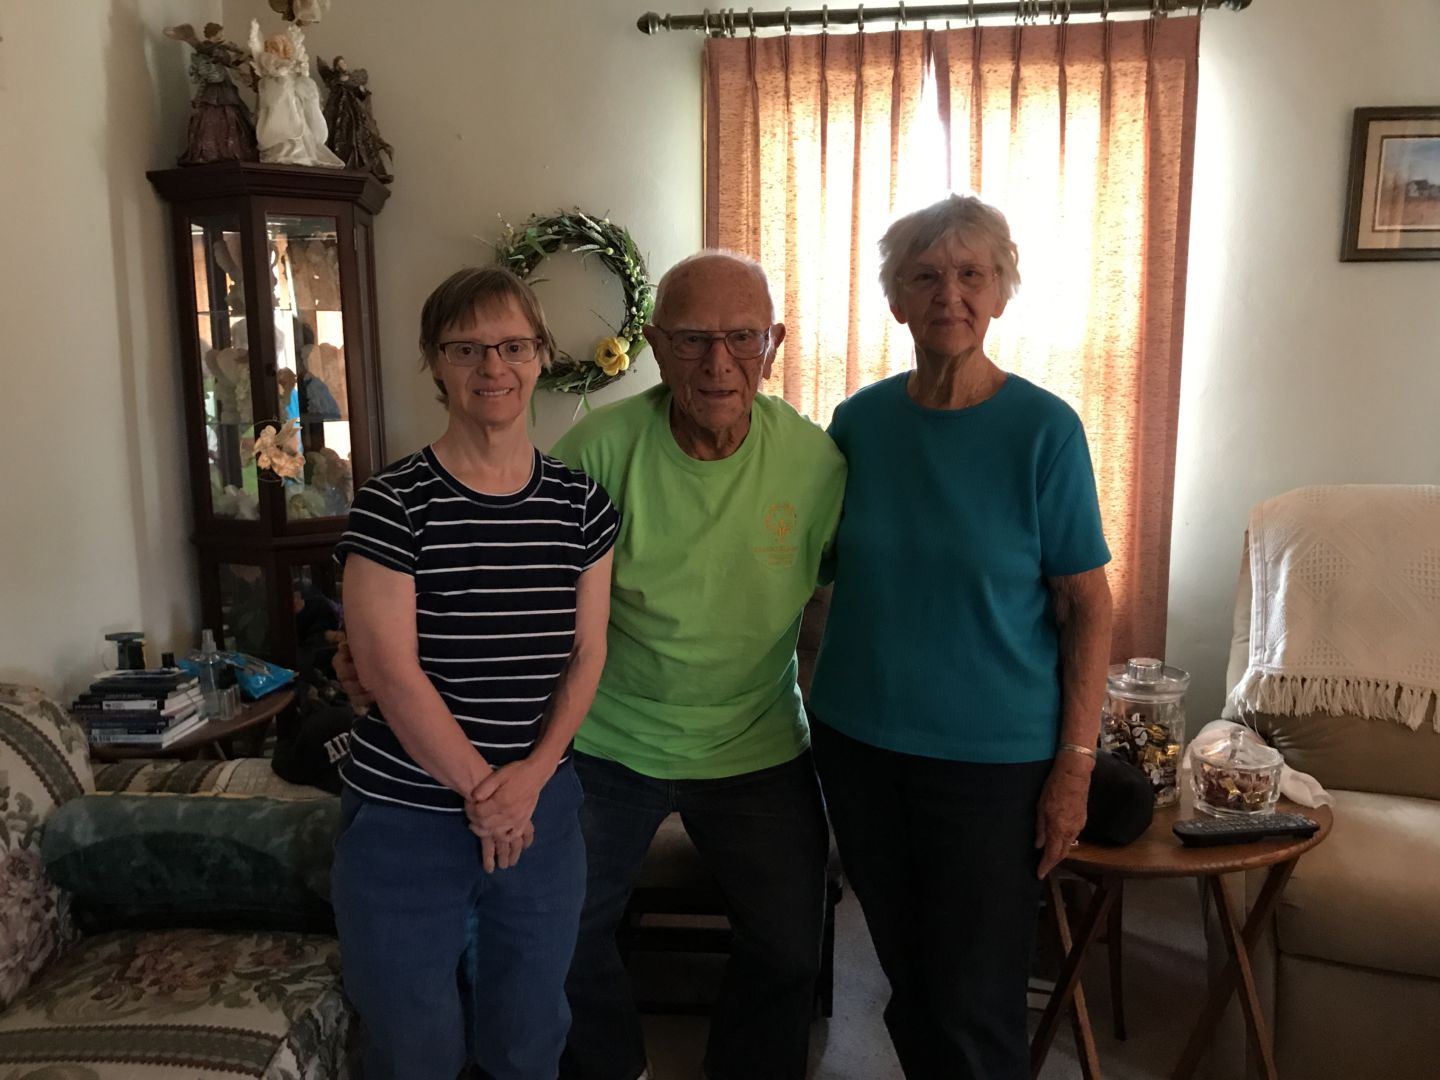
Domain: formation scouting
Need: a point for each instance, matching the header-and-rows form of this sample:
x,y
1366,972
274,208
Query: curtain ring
x,y
972,15
860,19
1104,10
1066,17
750,15
824,18
787,22
705,25
903,19
730,22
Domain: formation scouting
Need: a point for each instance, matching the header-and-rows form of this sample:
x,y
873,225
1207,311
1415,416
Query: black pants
x,y
762,834
941,855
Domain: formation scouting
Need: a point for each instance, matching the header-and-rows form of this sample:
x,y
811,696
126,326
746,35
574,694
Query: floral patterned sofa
x,y
175,995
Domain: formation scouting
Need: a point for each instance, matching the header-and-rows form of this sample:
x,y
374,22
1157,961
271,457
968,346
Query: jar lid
x,y
1144,678
1238,748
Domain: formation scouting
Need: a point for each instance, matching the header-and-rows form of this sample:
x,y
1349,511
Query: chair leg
x,y
1117,987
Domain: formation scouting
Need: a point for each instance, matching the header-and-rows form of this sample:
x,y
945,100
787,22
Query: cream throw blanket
x,y
1345,603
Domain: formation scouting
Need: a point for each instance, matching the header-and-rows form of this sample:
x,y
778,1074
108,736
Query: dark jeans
x,y
409,892
763,836
941,855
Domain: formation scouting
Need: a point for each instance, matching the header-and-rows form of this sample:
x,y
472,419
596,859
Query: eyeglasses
x,y
695,344
517,350
972,278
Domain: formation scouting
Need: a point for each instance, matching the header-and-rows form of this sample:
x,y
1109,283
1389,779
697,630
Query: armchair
x,y
1349,969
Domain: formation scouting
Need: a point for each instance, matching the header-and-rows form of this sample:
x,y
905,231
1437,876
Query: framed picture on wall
x,y
1393,208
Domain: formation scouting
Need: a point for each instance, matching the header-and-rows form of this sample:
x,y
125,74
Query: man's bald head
x,y
705,270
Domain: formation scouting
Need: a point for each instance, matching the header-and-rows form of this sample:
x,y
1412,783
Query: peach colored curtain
x,y
1083,135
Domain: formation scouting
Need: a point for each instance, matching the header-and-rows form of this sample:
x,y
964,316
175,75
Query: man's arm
x,y
1083,614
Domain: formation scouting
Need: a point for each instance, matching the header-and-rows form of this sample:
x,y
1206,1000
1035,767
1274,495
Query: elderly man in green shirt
x,y
728,498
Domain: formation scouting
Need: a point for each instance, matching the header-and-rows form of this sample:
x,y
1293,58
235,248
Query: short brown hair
x,y
461,294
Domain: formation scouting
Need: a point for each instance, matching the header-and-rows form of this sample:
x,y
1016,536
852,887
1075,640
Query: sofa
x,y
193,936
1348,972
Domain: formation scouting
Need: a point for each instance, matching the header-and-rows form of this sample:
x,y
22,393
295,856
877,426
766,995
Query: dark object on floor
x,y
311,750
1121,805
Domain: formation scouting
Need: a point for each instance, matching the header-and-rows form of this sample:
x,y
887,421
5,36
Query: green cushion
x,y
207,861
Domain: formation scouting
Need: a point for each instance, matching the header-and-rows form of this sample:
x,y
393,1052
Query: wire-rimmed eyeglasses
x,y
519,350
742,344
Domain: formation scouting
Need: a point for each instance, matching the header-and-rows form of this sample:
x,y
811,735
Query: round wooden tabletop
x,y
251,715
1159,853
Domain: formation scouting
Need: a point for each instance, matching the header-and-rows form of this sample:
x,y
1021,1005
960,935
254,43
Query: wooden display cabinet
x,y
275,286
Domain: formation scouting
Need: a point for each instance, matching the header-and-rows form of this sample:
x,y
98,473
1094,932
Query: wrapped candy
x,y
1144,721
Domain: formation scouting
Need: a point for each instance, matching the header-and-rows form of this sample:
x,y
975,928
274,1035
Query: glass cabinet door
x,y
244,593
225,368
304,253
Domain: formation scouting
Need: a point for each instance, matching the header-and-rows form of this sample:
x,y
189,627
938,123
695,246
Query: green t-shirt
x,y
713,565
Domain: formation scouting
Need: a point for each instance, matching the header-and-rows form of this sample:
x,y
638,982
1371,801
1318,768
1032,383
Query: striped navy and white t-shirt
x,y
495,579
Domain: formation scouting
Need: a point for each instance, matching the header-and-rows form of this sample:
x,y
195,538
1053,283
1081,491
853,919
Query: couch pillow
x,y
43,763
209,861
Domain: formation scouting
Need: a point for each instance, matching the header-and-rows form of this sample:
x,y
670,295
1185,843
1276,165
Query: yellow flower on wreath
x,y
612,355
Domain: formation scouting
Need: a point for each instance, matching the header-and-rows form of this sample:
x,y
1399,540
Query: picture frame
x,y
1392,210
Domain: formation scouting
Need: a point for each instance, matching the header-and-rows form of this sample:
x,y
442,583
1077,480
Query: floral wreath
x,y
525,248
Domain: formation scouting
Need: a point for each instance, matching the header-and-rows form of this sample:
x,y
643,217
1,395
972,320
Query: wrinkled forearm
x,y
1084,614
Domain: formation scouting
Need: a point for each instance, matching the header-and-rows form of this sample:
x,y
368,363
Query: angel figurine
x,y
300,12
289,128
221,127
353,133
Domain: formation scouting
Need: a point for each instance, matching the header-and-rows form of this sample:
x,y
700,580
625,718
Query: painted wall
x,y
93,481
500,109
1299,369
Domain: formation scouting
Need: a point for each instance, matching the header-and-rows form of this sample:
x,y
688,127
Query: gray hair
x,y
977,223
667,282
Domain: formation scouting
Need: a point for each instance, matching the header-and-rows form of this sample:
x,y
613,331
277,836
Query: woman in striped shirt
x,y
477,581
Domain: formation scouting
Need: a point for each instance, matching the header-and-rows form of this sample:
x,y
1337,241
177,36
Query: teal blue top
x,y
941,639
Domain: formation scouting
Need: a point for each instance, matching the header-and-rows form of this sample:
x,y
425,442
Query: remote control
x,y
1207,832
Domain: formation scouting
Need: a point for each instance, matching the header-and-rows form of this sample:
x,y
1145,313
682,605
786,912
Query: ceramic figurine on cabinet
x,y
300,12
221,127
354,135
290,128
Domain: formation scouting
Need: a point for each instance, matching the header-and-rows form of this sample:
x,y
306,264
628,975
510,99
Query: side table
x,y
215,736
1158,853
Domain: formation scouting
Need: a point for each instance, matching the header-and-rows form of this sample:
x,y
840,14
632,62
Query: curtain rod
x,y
727,22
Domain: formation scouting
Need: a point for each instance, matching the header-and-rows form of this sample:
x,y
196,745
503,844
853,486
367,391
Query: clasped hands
x,y
499,809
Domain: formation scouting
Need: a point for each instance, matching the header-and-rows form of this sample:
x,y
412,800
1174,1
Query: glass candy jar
x,y
1235,774
1144,721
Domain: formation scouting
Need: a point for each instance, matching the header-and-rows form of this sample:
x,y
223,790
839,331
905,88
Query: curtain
x,y
1083,135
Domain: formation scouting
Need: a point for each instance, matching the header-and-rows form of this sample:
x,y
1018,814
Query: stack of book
x,y
150,708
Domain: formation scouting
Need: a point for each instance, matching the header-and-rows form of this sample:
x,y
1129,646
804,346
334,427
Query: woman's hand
x,y
501,806
1061,813
504,853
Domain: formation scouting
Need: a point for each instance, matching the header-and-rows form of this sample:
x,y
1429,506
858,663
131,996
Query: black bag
x,y
1121,804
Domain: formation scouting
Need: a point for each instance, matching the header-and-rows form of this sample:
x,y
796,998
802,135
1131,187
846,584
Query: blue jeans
x,y
409,890
763,836
941,855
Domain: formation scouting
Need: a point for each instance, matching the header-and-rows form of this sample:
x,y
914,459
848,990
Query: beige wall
x,y
501,108
93,484
1299,369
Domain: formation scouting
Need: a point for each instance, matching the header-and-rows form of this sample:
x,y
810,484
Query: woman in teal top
x,y
958,689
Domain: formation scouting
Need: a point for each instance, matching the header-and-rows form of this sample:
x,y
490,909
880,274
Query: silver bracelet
x,y
1076,748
